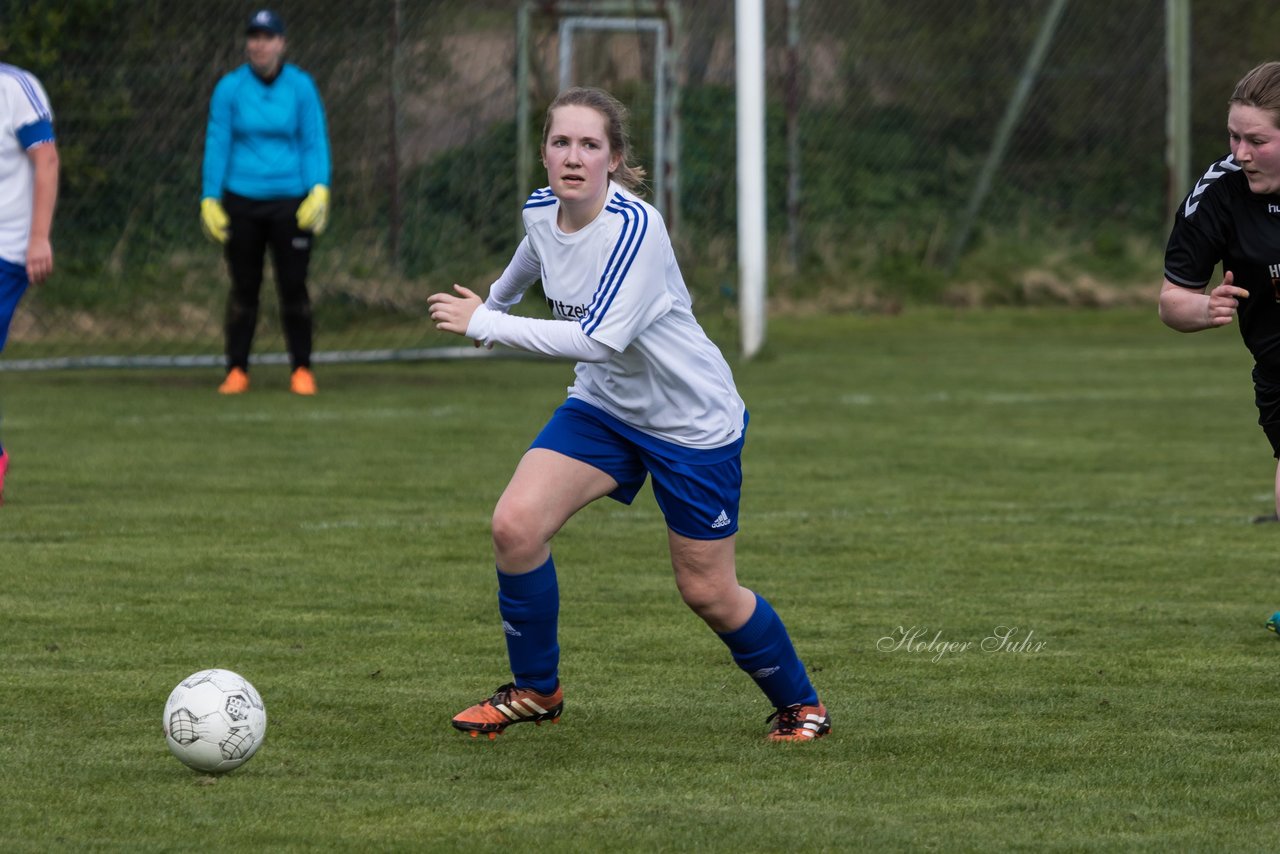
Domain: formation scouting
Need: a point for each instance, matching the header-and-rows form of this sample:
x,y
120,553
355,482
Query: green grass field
x,y
1083,479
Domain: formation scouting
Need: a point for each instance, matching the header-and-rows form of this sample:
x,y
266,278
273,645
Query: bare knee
x,y
518,541
715,603
699,597
707,582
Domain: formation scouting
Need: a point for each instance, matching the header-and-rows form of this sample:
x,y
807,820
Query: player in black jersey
x,y
1232,215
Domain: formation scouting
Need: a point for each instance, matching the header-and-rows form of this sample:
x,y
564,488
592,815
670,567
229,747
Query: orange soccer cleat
x,y
510,705
237,382
799,723
302,382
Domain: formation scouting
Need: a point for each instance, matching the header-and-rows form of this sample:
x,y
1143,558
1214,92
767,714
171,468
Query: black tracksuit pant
x,y
255,225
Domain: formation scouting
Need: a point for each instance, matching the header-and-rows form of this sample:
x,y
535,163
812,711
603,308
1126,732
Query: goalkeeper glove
x,y
214,220
313,213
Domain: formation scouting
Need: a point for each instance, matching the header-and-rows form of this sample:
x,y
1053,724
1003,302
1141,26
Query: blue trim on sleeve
x,y
541,199
24,80
635,226
36,133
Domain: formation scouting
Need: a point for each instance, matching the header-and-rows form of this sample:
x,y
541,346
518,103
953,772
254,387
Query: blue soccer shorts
x,y
13,284
698,491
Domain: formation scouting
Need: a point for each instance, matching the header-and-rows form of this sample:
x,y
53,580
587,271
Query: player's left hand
x,y
39,261
313,212
453,313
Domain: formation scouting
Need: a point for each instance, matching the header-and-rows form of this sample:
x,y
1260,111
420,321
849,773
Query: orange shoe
x,y
302,382
4,467
799,723
510,705
237,382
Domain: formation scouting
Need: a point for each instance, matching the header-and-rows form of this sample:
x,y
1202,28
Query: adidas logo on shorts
x,y
721,521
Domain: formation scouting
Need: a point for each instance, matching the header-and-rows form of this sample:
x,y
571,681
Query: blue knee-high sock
x,y
763,649
530,608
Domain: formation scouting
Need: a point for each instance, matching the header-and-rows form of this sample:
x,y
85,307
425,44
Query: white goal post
x,y
752,235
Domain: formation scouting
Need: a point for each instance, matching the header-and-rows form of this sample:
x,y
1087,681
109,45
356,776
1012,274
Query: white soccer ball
x,y
214,721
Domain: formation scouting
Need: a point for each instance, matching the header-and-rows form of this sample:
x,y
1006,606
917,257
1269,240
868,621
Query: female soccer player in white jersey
x,y
652,396
28,195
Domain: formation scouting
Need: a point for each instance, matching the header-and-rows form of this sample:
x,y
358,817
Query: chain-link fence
x,y
888,179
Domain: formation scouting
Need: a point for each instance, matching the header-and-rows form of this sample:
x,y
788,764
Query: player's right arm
x,y
217,140
217,152
1190,310
463,313
1202,228
523,271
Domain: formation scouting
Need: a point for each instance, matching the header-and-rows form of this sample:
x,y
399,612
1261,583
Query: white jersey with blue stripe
x,y
26,121
619,280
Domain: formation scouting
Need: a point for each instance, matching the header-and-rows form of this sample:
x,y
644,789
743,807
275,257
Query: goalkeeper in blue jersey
x,y
652,397
266,184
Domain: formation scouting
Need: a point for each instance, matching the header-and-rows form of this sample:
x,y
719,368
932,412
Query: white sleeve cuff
x,y
561,338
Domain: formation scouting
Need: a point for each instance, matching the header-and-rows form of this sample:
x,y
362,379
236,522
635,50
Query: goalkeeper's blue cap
x,y
265,21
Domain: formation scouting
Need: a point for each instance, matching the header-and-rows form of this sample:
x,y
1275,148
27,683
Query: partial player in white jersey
x,y
28,193
652,397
